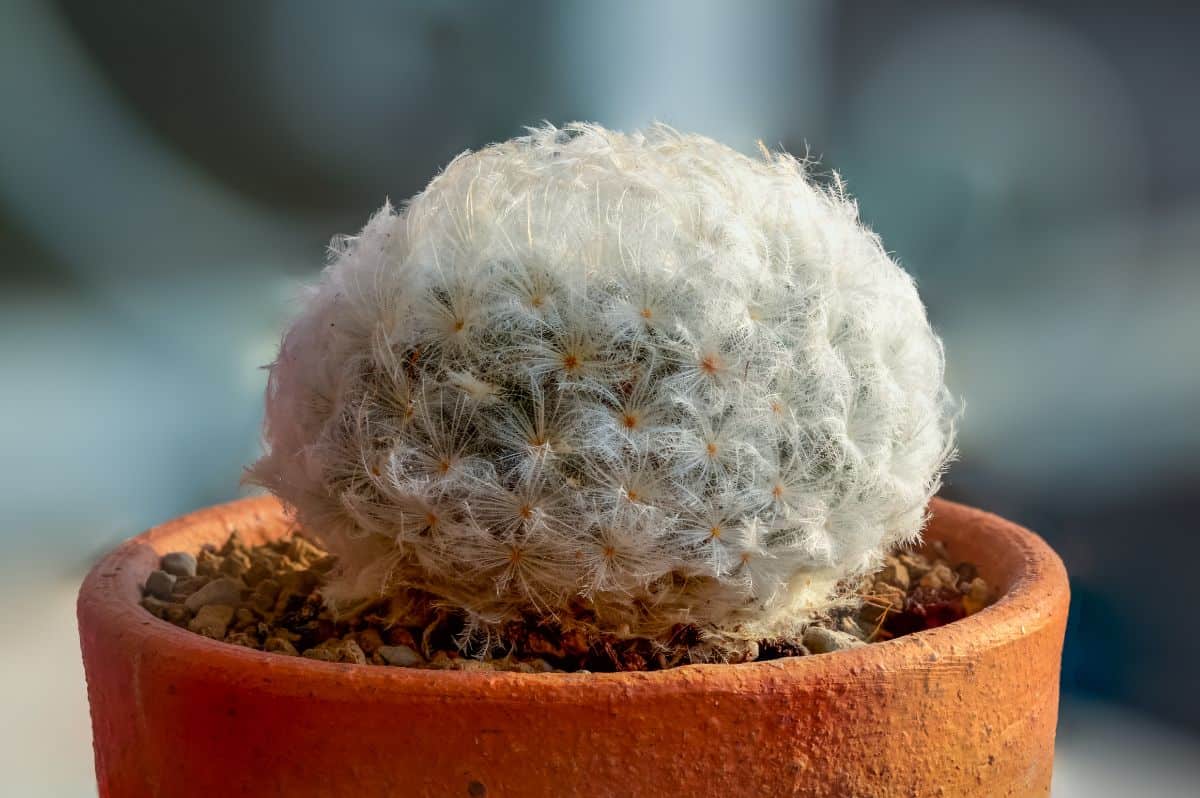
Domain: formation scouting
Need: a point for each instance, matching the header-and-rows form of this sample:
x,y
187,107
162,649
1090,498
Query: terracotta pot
x,y
968,709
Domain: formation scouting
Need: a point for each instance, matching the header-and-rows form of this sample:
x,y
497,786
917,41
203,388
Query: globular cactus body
x,y
641,374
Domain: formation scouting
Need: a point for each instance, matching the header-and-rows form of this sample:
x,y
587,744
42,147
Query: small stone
x,y
187,585
474,665
179,563
820,640
264,596
851,627
236,563
259,571
242,639
917,565
279,645
177,614
209,563
941,577
977,596
157,607
337,650
895,574
402,656
160,584
369,640
212,620
219,591
304,552
295,583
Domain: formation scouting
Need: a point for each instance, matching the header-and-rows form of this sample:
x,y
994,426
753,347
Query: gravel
x,y
268,597
404,656
212,620
335,650
219,591
179,563
819,640
160,584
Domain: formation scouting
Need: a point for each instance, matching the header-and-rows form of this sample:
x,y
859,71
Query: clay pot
x,y
968,709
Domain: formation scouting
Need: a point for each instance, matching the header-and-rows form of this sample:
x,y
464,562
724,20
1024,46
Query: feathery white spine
x,y
641,370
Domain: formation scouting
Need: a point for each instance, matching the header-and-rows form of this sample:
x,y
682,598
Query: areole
x,y
968,709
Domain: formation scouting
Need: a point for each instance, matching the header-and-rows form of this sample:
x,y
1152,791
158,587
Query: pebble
x,y
274,606
280,645
819,640
369,640
208,563
940,578
160,584
219,591
157,607
212,620
851,627
265,594
403,656
242,639
894,573
179,563
977,596
304,552
917,565
235,564
336,650
177,614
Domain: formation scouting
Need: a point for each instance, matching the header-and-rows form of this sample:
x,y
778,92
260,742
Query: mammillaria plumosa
x,y
641,374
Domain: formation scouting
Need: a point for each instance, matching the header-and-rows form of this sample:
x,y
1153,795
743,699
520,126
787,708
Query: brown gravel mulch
x,y
267,597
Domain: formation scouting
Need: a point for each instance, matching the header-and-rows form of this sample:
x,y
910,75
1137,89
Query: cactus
x,y
640,374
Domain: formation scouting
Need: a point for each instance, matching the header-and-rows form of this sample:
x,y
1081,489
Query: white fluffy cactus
x,y
641,374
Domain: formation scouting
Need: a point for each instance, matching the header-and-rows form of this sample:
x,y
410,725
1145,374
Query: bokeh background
x,y
170,174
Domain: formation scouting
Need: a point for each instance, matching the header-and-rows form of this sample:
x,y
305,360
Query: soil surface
x,y
268,598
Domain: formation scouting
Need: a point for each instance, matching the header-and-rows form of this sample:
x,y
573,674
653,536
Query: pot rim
x,y
1033,581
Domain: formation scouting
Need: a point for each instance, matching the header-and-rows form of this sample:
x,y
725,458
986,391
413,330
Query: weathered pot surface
x,y
968,709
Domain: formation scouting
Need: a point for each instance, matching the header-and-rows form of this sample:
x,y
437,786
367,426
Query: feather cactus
x,y
639,373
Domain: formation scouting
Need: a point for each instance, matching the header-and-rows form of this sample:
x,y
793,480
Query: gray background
x,y
170,174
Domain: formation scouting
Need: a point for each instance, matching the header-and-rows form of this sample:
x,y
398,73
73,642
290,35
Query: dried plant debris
x,y
268,597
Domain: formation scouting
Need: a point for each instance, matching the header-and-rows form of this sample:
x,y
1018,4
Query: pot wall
x,y
968,709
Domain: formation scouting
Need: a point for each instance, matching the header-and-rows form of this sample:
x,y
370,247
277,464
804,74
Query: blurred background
x,y
170,174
